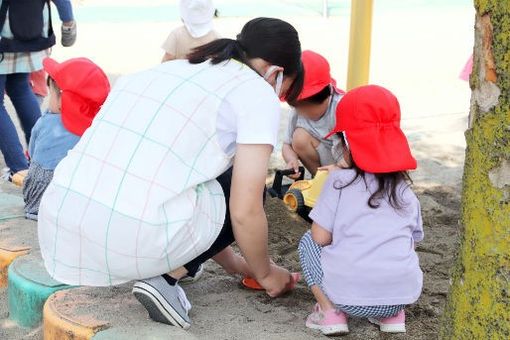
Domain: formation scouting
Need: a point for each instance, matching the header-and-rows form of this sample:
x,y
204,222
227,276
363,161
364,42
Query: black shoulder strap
x,y
3,13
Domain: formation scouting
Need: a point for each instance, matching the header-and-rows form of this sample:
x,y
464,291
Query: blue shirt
x,y
50,141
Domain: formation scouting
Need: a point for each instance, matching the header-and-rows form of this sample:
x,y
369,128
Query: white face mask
x,y
279,79
337,149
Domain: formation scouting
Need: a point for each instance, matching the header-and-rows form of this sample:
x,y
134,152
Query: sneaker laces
x,y
183,299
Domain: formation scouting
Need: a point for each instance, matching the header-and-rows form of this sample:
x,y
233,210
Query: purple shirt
x,y
371,260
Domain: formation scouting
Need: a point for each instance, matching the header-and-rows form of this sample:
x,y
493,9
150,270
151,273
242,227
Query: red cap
x,y
84,88
370,118
317,74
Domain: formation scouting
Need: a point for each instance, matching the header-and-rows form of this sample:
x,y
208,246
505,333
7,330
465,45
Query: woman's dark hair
x,y
273,40
388,185
317,98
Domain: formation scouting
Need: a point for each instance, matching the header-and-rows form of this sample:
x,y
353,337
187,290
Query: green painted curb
x,y
11,206
29,285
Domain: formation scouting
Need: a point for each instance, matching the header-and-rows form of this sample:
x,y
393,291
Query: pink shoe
x,y
393,324
331,322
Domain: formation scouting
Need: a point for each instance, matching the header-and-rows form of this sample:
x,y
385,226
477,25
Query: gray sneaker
x,y
164,302
69,34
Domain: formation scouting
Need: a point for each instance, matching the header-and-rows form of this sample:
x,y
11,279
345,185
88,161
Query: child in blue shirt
x,y
78,88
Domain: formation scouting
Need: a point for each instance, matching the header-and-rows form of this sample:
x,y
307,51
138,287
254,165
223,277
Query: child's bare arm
x,y
320,235
288,153
291,159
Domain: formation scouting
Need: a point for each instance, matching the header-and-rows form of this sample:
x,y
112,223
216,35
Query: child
x,y
312,118
78,88
197,16
467,69
359,257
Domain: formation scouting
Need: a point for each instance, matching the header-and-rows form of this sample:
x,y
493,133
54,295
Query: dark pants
x,y
65,10
17,87
226,236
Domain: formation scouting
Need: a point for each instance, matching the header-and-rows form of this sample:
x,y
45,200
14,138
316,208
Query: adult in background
x,y
26,35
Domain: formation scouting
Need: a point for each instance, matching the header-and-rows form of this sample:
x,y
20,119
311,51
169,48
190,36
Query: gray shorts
x,y
325,154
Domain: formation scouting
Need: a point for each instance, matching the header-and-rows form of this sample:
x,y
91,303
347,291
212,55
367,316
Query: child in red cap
x,y
78,88
312,118
359,258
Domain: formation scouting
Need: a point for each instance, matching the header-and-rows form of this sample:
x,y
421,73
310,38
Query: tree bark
x,y
478,305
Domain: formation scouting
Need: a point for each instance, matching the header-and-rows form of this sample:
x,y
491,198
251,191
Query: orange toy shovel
x,y
251,283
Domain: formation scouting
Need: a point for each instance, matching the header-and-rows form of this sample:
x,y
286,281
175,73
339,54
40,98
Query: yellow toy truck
x,y
300,196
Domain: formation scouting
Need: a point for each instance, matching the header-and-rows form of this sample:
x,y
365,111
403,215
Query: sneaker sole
x,y
159,309
330,330
389,328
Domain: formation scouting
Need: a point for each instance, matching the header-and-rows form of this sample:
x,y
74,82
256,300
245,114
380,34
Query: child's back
x,y
197,16
180,43
53,141
372,259
49,145
359,258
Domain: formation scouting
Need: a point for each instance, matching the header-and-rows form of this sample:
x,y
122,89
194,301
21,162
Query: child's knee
x,y
301,139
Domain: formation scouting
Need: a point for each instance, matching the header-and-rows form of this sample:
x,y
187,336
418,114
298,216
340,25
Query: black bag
x,y
26,22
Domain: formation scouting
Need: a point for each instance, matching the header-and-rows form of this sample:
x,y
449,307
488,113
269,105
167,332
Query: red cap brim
x,y
51,66
377,151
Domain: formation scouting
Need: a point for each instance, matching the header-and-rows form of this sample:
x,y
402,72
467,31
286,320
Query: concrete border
x,y
7,255
29,286
57,326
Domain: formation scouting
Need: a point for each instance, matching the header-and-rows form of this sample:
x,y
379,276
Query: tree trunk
x,y
479,305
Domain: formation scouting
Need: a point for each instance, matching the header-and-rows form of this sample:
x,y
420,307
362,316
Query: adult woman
x,y
18,58
147,189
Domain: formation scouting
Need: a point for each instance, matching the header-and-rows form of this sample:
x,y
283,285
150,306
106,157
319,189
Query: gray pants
x,y
325,155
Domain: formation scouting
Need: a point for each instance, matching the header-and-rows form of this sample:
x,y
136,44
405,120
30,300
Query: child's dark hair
x,y
273,40
387,185
317,98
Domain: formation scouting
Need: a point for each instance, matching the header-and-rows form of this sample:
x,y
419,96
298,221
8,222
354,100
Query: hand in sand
x,y
278,281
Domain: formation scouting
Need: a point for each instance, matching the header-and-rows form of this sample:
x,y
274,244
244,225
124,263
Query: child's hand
x,y
294,164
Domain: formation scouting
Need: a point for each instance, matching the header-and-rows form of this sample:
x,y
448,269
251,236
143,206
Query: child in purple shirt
x,y
359,257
